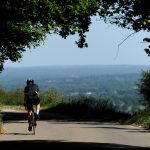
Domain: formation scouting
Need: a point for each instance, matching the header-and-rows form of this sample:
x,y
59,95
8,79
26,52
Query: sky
x,y
103,40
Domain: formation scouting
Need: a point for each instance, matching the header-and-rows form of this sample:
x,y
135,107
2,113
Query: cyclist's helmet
x,y
29,81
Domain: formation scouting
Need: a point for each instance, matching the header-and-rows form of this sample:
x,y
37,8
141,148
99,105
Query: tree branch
x,y
122,43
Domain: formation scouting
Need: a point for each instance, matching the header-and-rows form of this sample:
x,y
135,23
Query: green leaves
x,y
25,24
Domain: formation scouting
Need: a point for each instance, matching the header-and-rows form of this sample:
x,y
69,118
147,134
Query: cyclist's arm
x,y
37,90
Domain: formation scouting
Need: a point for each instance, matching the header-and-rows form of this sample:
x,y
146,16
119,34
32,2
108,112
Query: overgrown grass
x,y
88,107
2,129
51,99
11,97
16,98
79,107
141,118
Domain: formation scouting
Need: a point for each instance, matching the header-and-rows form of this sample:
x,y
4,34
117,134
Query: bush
x,y
51,99
141,118
88,107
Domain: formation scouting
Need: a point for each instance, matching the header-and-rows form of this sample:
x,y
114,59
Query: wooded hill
x,y
117,83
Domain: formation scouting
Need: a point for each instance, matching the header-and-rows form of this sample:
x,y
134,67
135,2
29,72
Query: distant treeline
x,y
114,82
120,89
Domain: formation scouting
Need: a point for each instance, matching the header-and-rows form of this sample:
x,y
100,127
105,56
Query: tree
x,y
144,86
130,14
25,24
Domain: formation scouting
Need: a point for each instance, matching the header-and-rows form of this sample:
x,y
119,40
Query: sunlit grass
x,y
2,129
12,107
141,118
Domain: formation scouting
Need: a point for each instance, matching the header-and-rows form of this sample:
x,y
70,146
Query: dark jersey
x,y
31,91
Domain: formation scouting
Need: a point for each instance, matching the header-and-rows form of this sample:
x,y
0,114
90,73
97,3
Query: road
x,y
61,133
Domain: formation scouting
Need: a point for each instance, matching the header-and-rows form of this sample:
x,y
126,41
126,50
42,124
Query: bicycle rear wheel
x,y
33,122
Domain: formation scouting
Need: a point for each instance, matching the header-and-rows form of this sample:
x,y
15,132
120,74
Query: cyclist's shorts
x,y
31,102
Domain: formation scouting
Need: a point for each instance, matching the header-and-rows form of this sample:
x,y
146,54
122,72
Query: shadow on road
x,y
11,117
40,144
16,116
15,133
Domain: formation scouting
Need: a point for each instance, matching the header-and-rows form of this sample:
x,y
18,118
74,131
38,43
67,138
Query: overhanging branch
x,y
122,43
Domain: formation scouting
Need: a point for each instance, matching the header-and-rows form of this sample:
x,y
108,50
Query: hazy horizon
x,y
72,65
73,70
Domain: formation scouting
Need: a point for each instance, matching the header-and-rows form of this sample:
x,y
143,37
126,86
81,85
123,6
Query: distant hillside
x,y
58,76
13,78
115,82
69,71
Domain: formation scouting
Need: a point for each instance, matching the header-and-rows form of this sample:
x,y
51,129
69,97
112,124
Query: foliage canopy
x,y
26,23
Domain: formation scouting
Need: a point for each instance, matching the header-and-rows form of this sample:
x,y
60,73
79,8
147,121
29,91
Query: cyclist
x,y
31,98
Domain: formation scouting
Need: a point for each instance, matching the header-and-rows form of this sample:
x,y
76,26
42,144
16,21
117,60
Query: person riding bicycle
x,y
31,99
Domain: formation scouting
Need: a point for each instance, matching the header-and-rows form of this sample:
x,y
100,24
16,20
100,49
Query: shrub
x,y
142,117
51,98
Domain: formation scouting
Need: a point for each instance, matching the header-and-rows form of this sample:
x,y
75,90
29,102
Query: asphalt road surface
x,y
58,133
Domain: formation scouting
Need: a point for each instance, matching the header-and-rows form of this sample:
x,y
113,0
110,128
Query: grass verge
x,y
141,118
2,129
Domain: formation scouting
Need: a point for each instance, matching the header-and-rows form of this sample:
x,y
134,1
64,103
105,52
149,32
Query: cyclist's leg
x,y
29,115
38,108
37,105
30,121
29,108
